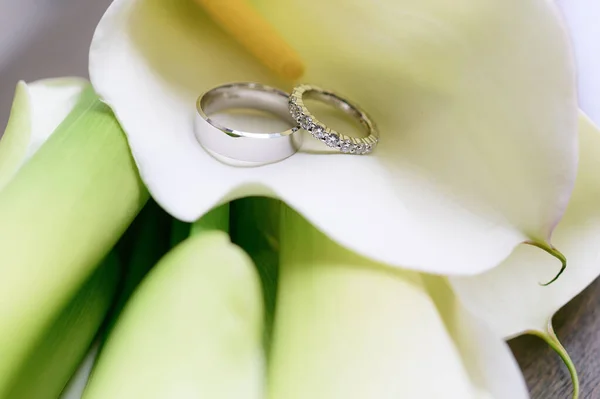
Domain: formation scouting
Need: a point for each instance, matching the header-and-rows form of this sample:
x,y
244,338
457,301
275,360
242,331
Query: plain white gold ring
x,y
236,145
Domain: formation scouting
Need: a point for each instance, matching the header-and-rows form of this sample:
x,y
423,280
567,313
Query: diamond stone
x,y
332,140
295,111
359,149
368,148
318,132
347,146
306,122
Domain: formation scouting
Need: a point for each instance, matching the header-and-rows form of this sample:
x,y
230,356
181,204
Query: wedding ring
x,y
228,144
344,143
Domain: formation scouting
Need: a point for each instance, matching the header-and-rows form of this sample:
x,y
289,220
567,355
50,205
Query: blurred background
x,y
42,39
50,38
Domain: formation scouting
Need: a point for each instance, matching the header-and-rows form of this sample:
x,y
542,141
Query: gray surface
x,y
57,46
55,43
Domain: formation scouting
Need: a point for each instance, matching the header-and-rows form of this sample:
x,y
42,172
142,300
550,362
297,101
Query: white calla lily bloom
x,y
38,108
475,102
68,188
509,297
346,327
426,328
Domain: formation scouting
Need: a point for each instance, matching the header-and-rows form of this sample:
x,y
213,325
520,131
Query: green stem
x,y
216,219
179,232
148,246
554,252
255,228
65,341
552,340
60,216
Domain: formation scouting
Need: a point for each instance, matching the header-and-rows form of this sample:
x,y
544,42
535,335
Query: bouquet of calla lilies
x,y
135,265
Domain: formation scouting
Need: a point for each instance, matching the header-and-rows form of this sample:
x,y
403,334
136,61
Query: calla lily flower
x,y
509,297
68,190
347,327
38,109
191,330
582,20
475,103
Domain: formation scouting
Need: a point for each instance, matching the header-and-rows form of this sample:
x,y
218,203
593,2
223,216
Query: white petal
x,y
582,18
475,104
510,297
488,359
38,109
347,328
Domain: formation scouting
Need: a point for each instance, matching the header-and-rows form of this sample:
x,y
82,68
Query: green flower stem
x,y
60,215
144,243
56,355
179,232
552,340
255,228
215,220
192,329
150,243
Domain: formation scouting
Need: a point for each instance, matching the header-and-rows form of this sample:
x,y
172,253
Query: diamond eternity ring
x,y
231,145
346,144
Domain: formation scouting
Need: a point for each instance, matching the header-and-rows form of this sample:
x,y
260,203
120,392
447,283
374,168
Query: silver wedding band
x,y
344,143
237,145
251,148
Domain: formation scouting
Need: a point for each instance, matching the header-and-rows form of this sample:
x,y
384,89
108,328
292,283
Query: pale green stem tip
x,y
552,340
554,252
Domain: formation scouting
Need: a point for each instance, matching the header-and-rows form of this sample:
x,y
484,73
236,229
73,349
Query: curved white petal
x,y
491,366
475,103
582,18
510,297
347,328
38,108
